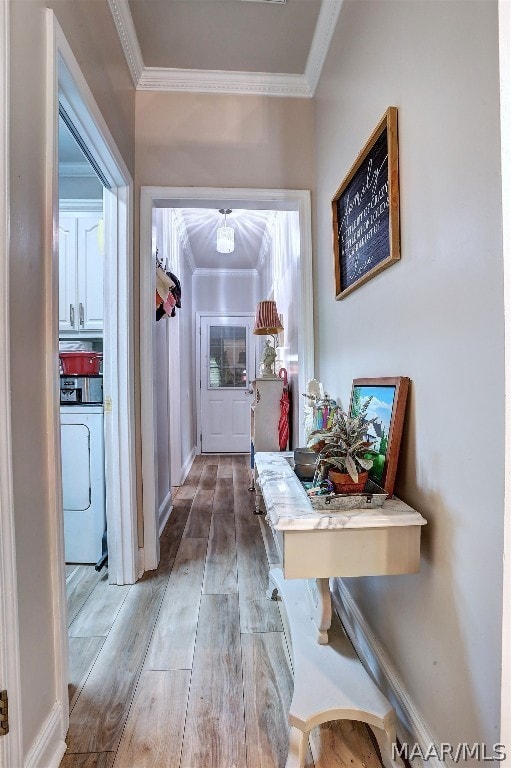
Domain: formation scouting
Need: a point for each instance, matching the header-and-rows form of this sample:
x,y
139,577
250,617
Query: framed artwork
x,y
387,407
365,210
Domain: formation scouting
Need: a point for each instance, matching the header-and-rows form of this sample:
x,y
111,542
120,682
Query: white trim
x,y
220,81
49,746
126,30
164,511
206,272
11,745
148,404
266,242
182,233
75,205
325,27
188,464
58,574
78,100
77,169
306,326
410,726
505,119
121,507
149,196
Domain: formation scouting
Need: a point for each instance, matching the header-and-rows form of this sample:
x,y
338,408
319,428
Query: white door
x,y
226,370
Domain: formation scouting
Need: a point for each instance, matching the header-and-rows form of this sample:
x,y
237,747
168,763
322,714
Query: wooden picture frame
x,y
388,405
365,211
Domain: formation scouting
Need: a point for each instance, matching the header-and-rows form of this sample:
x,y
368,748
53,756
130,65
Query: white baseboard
x,y
164,512
187,464
49,746
410,727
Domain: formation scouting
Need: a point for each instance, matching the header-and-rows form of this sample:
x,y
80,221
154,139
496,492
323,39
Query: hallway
x,y
188,667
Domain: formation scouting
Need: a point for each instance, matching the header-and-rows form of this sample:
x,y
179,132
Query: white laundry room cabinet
x,y
81,255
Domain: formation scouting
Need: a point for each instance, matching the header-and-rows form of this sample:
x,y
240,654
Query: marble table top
x,y
289,508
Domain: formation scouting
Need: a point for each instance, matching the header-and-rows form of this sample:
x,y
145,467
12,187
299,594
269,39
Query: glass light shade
x,y
267,320
225,240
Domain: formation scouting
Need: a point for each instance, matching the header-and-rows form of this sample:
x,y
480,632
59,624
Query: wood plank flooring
x,y
189,668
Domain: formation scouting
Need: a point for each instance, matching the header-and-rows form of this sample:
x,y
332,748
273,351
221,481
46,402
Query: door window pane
x,y
227,356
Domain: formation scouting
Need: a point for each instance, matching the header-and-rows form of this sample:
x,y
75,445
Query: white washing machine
x,y
83,481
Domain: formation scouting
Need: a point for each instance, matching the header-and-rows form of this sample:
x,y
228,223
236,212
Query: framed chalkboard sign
x,y
366,210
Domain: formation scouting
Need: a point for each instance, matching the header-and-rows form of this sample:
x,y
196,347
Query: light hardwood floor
x,y
189,667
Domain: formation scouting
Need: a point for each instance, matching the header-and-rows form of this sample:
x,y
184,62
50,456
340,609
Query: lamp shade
x,y
225,240
267,321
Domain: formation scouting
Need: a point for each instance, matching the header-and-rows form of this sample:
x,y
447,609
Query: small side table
x,y
314,545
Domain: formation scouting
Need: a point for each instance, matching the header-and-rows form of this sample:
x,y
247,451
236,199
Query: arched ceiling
x,y
250,226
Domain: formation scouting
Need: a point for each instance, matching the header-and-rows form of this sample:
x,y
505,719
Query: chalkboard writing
x,y
362,211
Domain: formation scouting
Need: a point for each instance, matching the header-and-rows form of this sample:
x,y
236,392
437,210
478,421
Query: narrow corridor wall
x,y
436,316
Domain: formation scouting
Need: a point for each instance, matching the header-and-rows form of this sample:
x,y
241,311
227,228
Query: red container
x,y
80,363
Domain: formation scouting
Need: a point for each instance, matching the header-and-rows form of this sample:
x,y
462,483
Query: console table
x,y
330,682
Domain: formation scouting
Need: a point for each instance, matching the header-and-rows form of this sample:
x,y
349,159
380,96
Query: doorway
x,y
69,91
226,368
153,198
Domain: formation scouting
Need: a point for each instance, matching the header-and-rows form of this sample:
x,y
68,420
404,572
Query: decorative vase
x,y
343,482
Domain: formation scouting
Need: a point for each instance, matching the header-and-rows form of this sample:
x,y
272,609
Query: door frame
x,y
504,9
230,198
66,83
198,317
11,746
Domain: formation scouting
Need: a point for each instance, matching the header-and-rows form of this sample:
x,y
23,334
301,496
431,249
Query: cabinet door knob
x,y
71,316
82,315
249,391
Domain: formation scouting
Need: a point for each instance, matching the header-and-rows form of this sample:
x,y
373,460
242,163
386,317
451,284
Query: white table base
x,y
330,682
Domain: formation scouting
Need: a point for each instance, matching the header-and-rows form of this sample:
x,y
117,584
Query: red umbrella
x,y
284,413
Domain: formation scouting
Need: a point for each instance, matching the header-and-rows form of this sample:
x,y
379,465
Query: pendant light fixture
x,y
225,234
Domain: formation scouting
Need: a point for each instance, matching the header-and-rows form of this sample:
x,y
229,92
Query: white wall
x,y
29,253
280,280
186,364
436,316
224,292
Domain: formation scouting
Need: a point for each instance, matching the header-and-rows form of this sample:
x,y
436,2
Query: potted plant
x,y
344,453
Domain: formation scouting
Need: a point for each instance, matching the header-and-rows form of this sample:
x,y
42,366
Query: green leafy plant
x,y
345,444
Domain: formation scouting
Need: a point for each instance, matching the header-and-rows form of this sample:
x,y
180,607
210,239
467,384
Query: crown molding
x,y
77,169
219,81
221,272
325,26
127,35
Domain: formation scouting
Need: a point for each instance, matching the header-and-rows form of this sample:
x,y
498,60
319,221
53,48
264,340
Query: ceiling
x,y
231,35
250,240
265,47
270,47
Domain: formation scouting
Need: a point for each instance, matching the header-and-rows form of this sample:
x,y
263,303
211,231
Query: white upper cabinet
x,y
81,253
